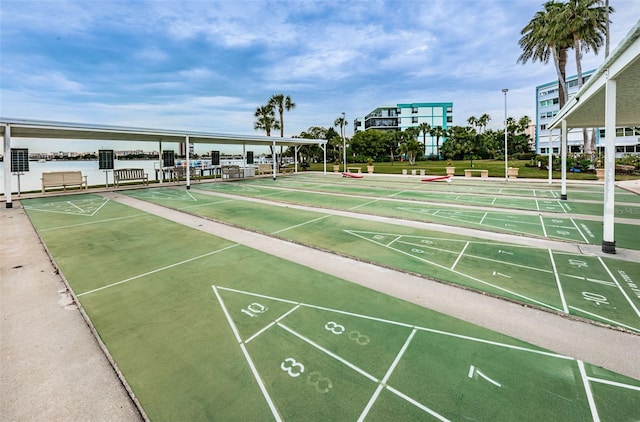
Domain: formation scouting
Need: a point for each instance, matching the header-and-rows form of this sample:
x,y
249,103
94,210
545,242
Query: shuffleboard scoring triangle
x,y
86,207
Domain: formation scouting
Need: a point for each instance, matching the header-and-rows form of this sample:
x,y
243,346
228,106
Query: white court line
x,y
302,224
156,270
226,314
417,404
544,229
74,205
615,384
362,205
460,255
192,197
557,276
624,293
386,377
333,355
614,322
494,200
386,321
537,204
93,222
579,231
483,217
587,389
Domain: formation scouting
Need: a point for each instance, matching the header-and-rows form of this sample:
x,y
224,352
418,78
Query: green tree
x,y
438,132
341,122
410,148
265,119
545,36
424,128
281,102
369,143
587,22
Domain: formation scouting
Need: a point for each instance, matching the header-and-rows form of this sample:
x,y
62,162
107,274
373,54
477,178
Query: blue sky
x,y
207,65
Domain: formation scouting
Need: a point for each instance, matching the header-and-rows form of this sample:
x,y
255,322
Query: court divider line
x,y
157,270
579,231
613,383
93,222
559,284
460,255
587,390
614,322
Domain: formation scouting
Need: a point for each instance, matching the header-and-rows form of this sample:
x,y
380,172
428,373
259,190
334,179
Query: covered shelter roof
x,y
587,108
40,129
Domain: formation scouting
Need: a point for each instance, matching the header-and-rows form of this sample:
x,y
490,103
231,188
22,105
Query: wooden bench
x,y
232,172
122,175
624,169
354,170
286,170
469,172
265,169
63,179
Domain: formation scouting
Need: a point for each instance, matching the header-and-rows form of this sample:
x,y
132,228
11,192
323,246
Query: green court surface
x,y
555,223
580,285
206,329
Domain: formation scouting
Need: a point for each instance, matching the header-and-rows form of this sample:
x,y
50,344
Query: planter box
x,y
600,175
512,172
369,169
450,171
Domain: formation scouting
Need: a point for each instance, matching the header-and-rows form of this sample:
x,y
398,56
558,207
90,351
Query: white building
x,y
403,116
547,106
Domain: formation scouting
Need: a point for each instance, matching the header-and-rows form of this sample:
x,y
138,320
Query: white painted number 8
x,y
334,327
289,365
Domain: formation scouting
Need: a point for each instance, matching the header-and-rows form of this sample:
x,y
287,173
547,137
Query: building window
x,y
543,127
449,110
449,119
414,120
414,110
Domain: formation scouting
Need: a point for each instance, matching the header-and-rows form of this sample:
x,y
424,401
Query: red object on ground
x,y
355,176
436,178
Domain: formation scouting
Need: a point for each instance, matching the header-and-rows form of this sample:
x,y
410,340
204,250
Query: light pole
x,y
344,144
506,159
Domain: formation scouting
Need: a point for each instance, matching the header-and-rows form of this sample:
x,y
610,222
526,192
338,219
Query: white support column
x,y
7,165
274,160
608,239
161,171
550,156
244,155
324,153
563,164
296,149
188,168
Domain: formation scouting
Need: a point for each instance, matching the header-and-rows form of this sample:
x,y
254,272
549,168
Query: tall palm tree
x,y
341,122
438,132
424,128
282,103
265,119
473,121
546,36
482,122
587,24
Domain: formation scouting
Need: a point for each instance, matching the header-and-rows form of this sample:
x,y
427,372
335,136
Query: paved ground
x,y
52,368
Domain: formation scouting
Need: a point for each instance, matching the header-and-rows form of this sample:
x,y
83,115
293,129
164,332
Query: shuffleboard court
x,y
524,274
543,221
203,328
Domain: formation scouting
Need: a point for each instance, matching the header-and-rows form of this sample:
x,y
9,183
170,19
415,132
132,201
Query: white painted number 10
x,y
254,309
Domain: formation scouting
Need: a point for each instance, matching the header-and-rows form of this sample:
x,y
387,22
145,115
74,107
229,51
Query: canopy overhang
x,y
38,129
587,108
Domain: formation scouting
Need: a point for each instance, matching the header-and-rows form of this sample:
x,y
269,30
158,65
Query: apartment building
x,y
402,116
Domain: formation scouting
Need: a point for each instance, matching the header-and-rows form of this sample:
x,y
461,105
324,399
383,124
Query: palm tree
x,y
341,122
473,121
424,128
587,23
545,36
438,132
482,122
282,103
265,119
